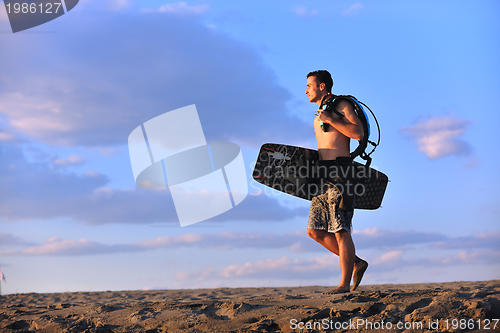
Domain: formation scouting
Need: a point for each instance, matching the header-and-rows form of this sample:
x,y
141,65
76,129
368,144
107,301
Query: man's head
x,y
319,83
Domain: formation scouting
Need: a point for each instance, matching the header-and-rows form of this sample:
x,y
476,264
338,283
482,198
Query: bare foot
x,y
357,274
338,290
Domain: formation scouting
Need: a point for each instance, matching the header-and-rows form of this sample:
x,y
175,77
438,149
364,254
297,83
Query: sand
x,y
429,307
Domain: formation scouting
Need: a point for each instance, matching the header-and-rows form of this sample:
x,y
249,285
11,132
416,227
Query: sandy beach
x,y
428,307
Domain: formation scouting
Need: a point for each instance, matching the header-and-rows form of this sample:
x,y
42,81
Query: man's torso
x,y
332,143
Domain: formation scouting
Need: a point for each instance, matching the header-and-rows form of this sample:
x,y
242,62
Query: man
x,y
330,217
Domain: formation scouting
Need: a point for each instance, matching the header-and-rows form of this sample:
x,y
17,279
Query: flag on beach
x,y
2,277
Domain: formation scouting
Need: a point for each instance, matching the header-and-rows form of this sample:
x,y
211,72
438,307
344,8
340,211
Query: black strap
x,y
331,100
328,100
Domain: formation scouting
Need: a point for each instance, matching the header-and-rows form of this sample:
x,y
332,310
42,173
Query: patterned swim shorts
x,y
326,215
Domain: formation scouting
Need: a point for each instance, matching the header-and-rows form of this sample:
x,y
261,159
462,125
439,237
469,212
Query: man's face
x,y
313,90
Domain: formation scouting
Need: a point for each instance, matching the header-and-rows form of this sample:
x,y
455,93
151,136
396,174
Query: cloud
x,y
375,238
289,269
391,259
438,137
181,8
283,268
221,242
489,240
50,193
109,152
70,160
6,136
323,267
105,5
379,238
302,11
57,247
228,240
47,193
9,240
388,260
197,274
398,260
298,242
116,5
295,241
465,257
326,266
91,85
7,133
353,9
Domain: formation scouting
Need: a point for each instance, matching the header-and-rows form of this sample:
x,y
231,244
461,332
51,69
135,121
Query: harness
x,y
329,102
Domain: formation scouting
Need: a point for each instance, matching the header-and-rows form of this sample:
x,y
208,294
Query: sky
x,y
73,89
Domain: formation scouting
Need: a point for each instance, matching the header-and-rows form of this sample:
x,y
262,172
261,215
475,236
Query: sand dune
x,y
430,307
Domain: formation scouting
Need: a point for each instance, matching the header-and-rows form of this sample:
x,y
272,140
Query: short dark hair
x,y
323,76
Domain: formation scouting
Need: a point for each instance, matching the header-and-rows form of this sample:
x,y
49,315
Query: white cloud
x,y
489,239
469,256
327,266
34,115
50,194
6,136
302,11
274,268
120,75
284,268
109,152
222,241
70,160
392,251
58,247
198,274
107,5
353,9
182,8
380,238
390,257
171,242
9,240
229,240
116,5
440,136
393,243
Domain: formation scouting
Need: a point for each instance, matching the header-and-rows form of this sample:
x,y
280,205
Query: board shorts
x,y
325,213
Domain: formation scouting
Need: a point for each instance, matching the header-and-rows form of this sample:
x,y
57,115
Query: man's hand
x,y
348,123
324,116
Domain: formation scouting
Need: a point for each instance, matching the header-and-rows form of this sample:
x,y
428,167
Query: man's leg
x,y
346,256
329,241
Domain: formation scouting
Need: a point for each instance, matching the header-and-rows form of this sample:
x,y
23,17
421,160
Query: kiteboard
x,y
290,169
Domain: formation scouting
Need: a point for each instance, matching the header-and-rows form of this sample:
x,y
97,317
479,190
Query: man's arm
x,y
350,125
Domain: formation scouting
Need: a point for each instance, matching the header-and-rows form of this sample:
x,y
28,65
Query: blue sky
x,y
72,90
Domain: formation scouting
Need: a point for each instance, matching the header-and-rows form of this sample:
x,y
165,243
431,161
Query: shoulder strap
x,y
328,104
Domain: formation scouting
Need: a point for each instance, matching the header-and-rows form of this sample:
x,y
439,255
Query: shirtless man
x,y
328,224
